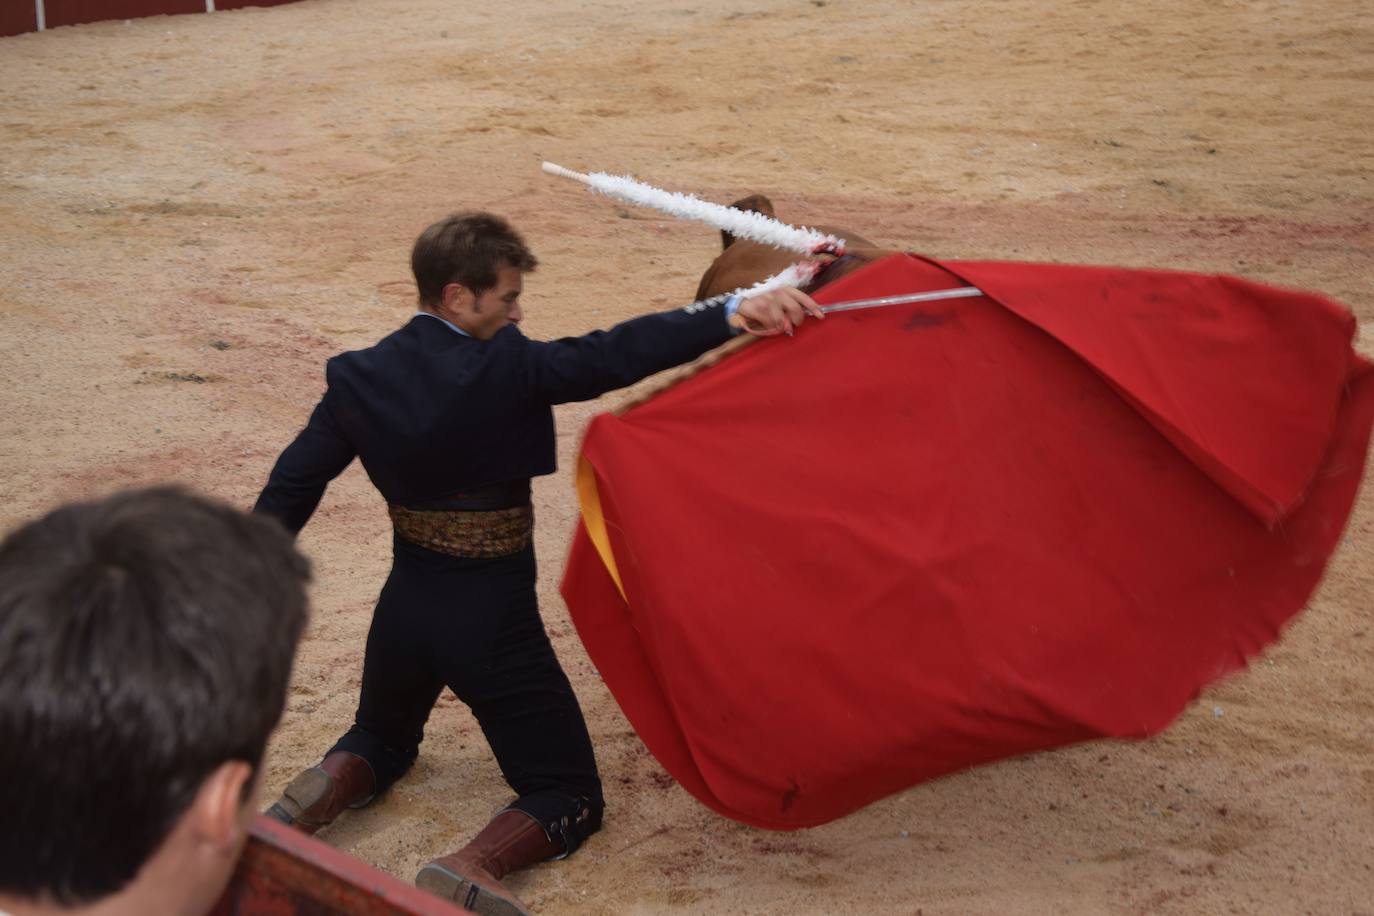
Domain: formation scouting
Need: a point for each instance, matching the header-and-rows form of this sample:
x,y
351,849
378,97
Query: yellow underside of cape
x,y
595,520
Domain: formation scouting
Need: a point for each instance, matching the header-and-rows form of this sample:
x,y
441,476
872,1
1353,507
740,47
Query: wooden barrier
x,y
17,16
285,873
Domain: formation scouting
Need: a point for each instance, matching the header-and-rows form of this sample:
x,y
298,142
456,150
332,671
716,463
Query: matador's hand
x,y
777,311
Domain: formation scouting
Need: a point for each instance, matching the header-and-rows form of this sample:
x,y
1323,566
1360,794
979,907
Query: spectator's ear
x,y
223,807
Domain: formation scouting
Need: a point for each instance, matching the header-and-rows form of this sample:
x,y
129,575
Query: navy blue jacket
x,y
434,414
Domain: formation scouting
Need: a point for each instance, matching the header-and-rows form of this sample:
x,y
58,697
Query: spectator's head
x,y
145,647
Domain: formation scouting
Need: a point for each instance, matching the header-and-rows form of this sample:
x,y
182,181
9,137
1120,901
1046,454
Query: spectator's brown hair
x,y
145,640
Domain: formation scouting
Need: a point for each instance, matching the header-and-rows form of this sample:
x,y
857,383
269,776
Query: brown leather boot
x,y
320,794
472,876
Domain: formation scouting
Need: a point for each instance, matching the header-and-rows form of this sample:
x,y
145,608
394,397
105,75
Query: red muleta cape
x,y
922,537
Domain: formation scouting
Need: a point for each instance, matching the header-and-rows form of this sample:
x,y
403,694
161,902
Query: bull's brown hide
x,y
743,263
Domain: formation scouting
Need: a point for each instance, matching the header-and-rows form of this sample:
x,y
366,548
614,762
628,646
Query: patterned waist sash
x,y
472,535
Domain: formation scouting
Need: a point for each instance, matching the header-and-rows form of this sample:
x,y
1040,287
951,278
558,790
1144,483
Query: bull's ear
x,y
754,203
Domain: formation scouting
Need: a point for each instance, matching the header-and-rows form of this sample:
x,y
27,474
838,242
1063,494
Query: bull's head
x,y
754,203
742,262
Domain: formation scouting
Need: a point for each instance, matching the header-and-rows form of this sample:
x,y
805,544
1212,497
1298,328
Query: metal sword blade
x,y
962,292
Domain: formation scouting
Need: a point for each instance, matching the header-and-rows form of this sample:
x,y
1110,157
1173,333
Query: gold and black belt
x,y
474,535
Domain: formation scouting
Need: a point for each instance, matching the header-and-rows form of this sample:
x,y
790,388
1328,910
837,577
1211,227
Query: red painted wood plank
x,y
17,17
240,4
20,16
284,873
73,12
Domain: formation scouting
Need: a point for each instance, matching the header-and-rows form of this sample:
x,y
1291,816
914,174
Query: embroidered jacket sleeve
x,y
581,368
298,480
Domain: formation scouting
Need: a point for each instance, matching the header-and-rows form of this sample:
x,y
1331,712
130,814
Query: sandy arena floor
x,y
196,211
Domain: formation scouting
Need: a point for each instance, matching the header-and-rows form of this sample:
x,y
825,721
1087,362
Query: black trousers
x,y
474,626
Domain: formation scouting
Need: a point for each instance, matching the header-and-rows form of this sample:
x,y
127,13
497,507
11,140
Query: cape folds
x,y
927,536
